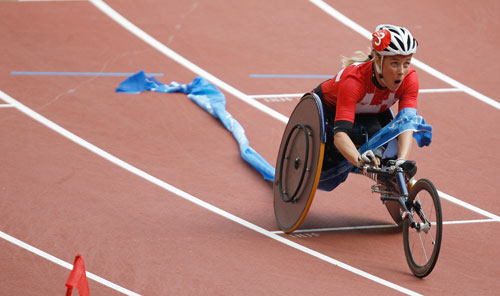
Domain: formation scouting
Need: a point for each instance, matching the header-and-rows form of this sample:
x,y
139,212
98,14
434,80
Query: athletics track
x,y
152,191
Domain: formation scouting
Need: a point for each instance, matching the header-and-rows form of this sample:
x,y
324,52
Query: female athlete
x,y
357,100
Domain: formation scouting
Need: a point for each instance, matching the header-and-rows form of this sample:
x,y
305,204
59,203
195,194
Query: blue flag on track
x,y
208,97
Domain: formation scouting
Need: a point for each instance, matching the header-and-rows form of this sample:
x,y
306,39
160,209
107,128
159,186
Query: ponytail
x,y
358,57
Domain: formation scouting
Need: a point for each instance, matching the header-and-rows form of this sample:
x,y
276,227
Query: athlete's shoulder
x,y
412,74
360,72
411,78
409,86
360,68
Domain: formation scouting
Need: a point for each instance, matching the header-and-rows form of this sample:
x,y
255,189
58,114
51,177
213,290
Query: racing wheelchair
x,y
413,205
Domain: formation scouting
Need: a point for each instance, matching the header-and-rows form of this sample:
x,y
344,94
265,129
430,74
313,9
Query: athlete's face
x,y
395,69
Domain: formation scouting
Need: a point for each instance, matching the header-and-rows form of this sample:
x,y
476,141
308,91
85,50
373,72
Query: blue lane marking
x,y
288,76
80,73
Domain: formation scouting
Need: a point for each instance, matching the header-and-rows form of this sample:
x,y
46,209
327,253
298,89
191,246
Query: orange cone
x,y
77,278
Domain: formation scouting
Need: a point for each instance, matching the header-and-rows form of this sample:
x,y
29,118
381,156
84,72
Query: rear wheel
x,y
422,243
298,167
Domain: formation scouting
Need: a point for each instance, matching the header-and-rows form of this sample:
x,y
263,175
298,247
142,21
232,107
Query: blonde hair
x,y
358,57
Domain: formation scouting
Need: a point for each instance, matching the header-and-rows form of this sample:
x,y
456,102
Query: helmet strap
x,y
379,69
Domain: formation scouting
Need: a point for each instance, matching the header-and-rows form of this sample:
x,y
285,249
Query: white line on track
x,y
298,95
6,106
238,94
110,12
173,55
347,228
468,206
469,221
271,96
62,263
368,227
368,35
438,90
126,166
106,9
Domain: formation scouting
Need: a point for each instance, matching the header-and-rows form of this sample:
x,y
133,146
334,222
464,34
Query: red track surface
x,y
63,199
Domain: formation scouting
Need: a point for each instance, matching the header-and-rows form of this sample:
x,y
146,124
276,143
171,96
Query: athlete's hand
x,y
399,162
368,157
396,163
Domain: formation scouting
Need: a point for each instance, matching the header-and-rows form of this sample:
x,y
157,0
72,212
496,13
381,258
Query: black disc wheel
x,y
422,241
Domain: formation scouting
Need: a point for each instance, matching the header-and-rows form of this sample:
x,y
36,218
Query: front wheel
x,y
423,242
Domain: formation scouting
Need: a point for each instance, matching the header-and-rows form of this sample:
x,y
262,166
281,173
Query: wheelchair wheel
x,y
422,245
299,162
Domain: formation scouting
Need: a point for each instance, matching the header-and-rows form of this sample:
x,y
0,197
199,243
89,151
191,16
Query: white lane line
x,y
367,227
184,62
469,221
62,263
438,90
6,106
111,158
176,57
368,35
347,228
270,96
298,95
110,12
468,206
196,69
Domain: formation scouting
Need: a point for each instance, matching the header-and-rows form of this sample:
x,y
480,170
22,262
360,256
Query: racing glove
x,y
367,157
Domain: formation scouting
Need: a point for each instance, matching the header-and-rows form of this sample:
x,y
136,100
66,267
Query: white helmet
x,y
391,40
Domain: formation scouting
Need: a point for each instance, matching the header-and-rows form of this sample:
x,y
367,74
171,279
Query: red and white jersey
x,y
352,91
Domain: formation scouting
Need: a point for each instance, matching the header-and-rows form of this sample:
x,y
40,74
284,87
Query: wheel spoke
x,y
432,237
423,247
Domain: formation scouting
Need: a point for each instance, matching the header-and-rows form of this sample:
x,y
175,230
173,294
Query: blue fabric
x,y
407,119
208,97
333,177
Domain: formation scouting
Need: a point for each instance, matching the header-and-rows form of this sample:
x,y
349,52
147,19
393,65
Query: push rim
x,y
286,196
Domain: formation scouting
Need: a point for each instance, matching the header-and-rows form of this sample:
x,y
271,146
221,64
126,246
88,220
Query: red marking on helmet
x,y
381,39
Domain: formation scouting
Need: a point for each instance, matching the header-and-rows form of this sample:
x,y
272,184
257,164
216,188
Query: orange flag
x,y
77,278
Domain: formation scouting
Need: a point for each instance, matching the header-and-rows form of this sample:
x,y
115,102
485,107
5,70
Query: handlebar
x,y
409,167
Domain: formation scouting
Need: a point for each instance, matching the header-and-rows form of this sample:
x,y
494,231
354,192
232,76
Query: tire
x,y
422,247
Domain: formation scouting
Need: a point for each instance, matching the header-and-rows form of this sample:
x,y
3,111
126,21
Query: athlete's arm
x,y
346,147
409,100
404,144
350,90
